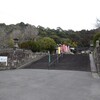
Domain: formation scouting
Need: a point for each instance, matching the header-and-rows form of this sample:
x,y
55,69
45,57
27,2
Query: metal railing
x,y
55,61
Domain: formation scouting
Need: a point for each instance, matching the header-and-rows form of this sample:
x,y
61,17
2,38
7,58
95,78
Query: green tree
x,y
47,44
24,45
69,42
11,43
96,37
56,38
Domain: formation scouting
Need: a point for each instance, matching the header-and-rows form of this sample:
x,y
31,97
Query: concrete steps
x,y
78,62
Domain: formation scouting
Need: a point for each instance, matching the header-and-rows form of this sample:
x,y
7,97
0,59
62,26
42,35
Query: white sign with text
x,y
3,59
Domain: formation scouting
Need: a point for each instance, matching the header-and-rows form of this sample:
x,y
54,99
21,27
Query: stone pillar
x,y
98,56
16,43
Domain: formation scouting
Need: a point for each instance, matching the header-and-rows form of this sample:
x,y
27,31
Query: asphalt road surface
x,y
69,79
37,84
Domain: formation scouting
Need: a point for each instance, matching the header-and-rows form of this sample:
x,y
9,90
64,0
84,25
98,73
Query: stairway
x,y
77,62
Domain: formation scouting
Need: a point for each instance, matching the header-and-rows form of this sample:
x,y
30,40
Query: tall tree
x,y
47,43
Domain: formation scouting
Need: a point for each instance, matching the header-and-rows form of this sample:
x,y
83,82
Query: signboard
x,y
3,59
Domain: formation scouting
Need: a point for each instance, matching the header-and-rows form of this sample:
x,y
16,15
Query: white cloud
x,y
68,14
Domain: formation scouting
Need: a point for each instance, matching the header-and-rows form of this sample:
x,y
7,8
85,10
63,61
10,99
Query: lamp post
x,y
91,46
15,43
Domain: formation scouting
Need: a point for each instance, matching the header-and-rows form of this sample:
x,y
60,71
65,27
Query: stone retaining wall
x,y
18,58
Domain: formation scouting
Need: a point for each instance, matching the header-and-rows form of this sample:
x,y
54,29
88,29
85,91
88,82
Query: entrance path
x,y
78,62
33,84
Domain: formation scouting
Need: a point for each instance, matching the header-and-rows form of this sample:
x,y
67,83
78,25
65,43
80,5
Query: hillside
x,y
25,32
21,31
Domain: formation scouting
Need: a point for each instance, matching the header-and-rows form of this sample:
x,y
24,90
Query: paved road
x,y
68,83
33,84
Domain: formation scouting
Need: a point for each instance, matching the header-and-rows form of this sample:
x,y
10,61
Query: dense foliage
x,y
44,39
44,44
72,38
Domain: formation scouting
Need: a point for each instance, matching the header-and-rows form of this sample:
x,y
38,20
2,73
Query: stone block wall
x,y
18,58
96,55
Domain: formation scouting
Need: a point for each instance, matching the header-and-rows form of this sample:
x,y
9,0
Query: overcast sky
x,y
67,14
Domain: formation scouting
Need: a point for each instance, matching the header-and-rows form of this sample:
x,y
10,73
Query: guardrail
x,y
58,56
